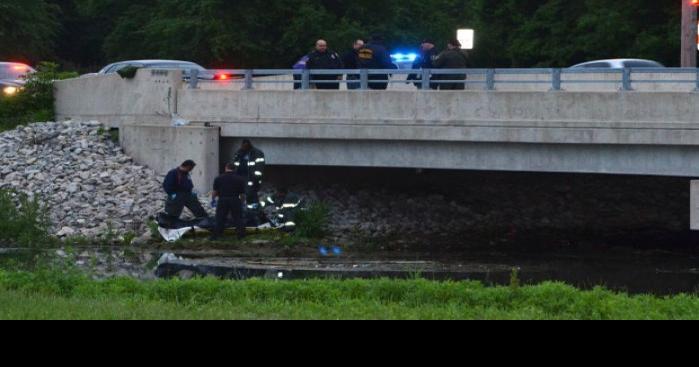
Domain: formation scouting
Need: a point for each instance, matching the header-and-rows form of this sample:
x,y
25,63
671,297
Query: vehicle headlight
x,y
10,91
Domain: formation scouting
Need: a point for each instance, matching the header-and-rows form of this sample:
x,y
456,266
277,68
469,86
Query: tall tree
x,y
28,29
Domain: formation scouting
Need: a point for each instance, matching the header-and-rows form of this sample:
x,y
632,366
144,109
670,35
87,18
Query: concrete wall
x,y
163,148
440,108
154,96
151,96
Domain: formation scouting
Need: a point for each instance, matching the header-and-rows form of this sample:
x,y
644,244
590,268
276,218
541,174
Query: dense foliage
x,y
35,101
274,33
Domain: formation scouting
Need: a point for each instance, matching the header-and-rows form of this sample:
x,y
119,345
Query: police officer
x,y
452,58
426,60
249,162
229,189
376,56
179,188
324,59
350,60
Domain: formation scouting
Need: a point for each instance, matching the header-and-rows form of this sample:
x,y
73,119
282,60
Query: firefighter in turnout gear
x,y
249,163
283,207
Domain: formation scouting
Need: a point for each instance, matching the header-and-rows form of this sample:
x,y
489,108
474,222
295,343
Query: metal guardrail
x,y
426,79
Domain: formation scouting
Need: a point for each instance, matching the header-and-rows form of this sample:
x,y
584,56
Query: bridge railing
x,y
426,79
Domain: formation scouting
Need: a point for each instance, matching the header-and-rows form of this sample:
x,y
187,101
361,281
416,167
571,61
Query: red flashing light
x,y
228,77
25,67
694,2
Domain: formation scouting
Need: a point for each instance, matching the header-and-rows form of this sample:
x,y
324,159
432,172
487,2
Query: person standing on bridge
x,y
351,61
376,56
452,58
229,191
324,59
180,193
249,162
426,60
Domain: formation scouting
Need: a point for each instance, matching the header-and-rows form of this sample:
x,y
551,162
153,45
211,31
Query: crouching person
x,y
284,206
227,198
180,193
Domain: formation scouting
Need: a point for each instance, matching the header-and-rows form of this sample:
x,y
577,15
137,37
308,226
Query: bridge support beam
x,y
694,208
163,148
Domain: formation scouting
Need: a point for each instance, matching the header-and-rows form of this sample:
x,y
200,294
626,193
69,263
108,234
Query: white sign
x,y
466,38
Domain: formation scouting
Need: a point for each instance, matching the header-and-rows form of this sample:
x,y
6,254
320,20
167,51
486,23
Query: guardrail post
x,y
697,86
426,79
193,78
248,80
306,79
490,79
626,80
556,79
364,79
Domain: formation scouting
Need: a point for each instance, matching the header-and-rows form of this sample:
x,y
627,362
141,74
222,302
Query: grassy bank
x,y
56,295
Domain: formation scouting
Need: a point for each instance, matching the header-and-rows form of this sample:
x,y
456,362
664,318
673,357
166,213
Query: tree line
x,y
86,34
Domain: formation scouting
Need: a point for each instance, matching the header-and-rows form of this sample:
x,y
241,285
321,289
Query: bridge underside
x,y
677,161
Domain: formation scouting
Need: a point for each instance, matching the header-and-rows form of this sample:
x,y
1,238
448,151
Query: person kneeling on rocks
x,y
180,192
229,190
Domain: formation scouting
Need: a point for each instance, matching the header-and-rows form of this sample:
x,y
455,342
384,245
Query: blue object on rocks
x,y
323,251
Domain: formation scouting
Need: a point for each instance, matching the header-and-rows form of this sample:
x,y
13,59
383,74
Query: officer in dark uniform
x,y
426,60
229,189
452,58
180,193
376,56
324,59
350,60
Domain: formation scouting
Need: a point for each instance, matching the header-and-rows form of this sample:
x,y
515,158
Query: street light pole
x,y
689,33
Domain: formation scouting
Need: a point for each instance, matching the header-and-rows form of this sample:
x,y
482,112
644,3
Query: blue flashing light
x,y
404,57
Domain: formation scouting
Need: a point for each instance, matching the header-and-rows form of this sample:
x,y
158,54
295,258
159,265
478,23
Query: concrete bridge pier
x,y
162,148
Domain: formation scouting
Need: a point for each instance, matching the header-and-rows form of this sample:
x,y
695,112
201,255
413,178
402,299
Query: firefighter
x,y
249,162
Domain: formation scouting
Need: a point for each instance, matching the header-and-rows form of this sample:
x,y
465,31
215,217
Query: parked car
x,y
619,64
185,66
13,77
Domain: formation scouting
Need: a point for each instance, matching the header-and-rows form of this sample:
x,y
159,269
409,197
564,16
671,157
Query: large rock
x,y
85,180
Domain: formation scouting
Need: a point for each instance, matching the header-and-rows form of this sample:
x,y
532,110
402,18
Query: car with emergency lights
x,y
13,76
186,66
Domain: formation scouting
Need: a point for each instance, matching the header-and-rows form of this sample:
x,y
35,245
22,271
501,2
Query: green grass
x,y
66,295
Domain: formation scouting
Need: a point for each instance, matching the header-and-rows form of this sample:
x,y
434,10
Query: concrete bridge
x,y
584,128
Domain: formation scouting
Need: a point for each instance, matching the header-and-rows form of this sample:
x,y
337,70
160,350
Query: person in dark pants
x,y
452,58
249,162
426,60
179,188
324,59
351,61
229,189
376,56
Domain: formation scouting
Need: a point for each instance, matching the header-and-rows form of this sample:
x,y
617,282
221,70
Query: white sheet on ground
x,y
174,235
